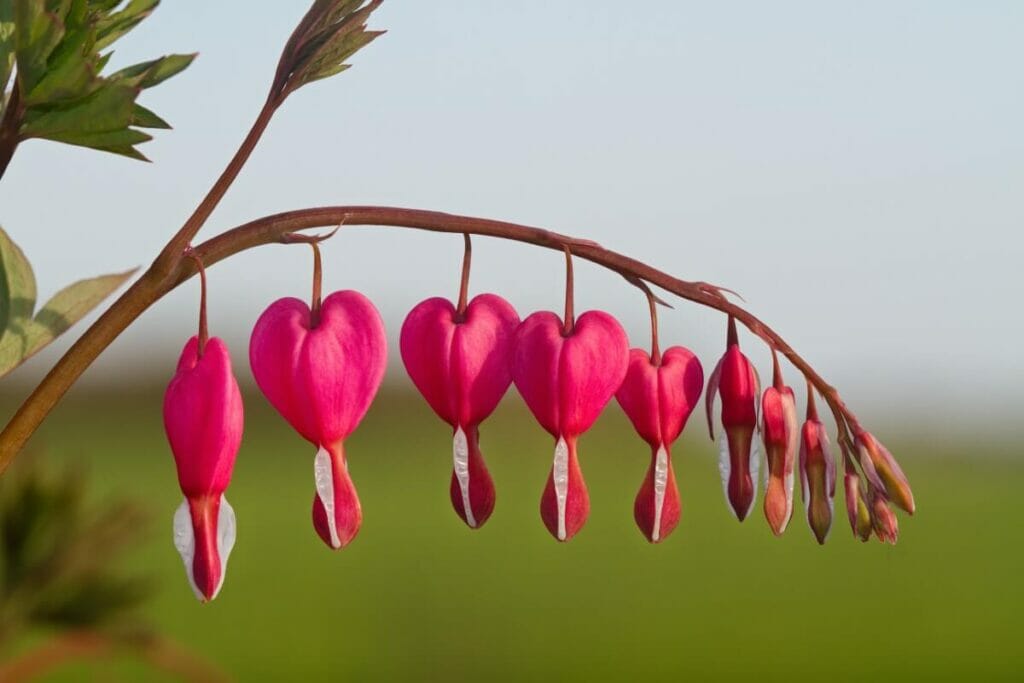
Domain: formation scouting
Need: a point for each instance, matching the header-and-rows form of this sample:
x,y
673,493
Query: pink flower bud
x,y
735,380
203,419
658,398
566,379
817,473
856,507
322,378
462,366
883,471
780,436
883,519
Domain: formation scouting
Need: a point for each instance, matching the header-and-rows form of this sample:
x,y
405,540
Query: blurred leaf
x,y
68,306
24,335
17,289
58,550
57,48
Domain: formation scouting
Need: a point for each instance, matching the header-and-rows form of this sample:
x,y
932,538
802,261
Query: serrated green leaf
x,y
109,108
155,71
113,26
144,118
71,72
17,300
37,33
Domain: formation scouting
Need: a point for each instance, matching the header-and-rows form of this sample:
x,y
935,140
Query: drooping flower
x,y
781,439
658,394
817,472
203,418
461,363
321,370
735,379
567,374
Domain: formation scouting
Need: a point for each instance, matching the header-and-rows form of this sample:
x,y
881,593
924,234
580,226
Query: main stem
x,y
270,229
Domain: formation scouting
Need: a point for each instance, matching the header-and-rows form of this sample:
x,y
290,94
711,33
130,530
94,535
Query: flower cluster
x,y
321,365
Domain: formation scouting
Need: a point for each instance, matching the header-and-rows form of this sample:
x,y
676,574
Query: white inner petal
x,y
225,539
185,543
324,476
660,485
755,465
725,468
460,459
560,474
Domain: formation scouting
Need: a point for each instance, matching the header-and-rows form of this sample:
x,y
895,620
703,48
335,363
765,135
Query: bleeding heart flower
x,y
817,472
203,419
736,380
321,372
780,435
658,395
566,377
461,363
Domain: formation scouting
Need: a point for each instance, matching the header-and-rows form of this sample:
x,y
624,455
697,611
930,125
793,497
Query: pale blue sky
x,y
855,170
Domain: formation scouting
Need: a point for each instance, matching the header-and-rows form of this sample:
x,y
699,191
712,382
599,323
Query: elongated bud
x,y
461,363
322,375
779,432
884,471
817,473
735,380
856,507
203,418
566,378
883,519
658,397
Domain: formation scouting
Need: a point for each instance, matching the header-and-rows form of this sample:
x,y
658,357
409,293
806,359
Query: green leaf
x,y
24,335
155,71
115,25
109,108
17,289
59,50
7,45
37,33
144,118
68,306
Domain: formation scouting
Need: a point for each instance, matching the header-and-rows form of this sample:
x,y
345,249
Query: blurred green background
x,y
418,596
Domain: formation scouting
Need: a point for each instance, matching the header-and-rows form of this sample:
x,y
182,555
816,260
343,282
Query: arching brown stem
x,y
270,229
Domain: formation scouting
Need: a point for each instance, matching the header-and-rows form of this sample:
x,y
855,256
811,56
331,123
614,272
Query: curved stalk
x,y
273,229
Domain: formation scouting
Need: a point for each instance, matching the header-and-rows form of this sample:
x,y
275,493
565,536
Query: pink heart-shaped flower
x,y
461,365
658,399
322,379
203,418
566,381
